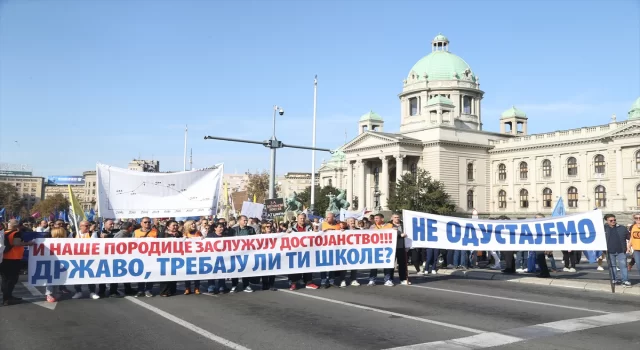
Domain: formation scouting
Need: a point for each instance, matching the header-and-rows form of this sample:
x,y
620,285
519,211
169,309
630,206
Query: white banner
x,y
131,194
358,215
90,261
252,210
574,232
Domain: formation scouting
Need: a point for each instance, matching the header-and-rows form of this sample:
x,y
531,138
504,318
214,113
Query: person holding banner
x,y
84,232
238,231
168,289
301,225
351,226
401,252
378,224
191,232
329,224
145,231
219,285
126,231
268,282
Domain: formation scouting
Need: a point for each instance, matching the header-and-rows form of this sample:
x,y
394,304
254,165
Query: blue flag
x,y
2,214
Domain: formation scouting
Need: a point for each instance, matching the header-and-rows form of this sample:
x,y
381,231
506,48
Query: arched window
x,y
502,172
470,200
413,106
470,172
638,161
572,195
376,176
502,199
546,168
466,105
330,182
598,164
601,197
572,166
524,171
638,196
547,197
524,198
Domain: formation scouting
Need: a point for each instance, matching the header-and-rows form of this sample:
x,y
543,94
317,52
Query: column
x,y
361,184
350,182
583,176
399,165
619,180
479,115
384,182
439,115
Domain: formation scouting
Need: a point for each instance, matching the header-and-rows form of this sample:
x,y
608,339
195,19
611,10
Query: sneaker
x,y
51,299
148,294
292,287
617,268
311,285
94,296
78,295
572,270
626,284
248,289
519,270
371,283
187,292
565,269
221,290
139,294
197,291
233,289
600,268
433,272
496,267
355,283
388,283
404,283
343,284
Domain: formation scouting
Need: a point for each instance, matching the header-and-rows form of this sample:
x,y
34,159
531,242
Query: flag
x,y
254,198
35,215
2,214
559,208
75,210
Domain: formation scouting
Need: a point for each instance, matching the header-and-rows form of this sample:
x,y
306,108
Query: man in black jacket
x,y
242,230
617,237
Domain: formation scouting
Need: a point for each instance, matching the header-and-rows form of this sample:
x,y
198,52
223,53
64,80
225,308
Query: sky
x,y
109,81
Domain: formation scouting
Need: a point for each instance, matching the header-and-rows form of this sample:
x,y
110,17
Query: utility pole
x,y
191,160
186,131
313,144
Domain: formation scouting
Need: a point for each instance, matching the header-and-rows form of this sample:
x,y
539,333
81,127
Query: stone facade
x,y
507,173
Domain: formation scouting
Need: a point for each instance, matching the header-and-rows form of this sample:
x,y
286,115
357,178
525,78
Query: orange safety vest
x,y
15,253
151,234
329,227
383,227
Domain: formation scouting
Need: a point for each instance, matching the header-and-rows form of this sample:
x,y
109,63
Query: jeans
x,y
323,277
142,287
450,260
214,285
473,258
619,260
460,258
522,259
552,260
431,261
636,256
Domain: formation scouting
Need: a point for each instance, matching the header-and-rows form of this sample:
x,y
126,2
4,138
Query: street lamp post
x,y
273,144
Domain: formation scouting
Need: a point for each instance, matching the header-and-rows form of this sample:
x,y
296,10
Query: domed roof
x,y
371,115
513,112
634,113
441,65
440,99
440,37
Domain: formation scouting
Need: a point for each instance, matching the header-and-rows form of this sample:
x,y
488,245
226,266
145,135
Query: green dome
x,y
371,115
440,37
513,112
441,65
634,113
440,99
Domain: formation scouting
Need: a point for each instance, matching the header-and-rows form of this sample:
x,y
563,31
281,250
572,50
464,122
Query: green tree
x,y
421,193
51,205
258,185
11,200
321,203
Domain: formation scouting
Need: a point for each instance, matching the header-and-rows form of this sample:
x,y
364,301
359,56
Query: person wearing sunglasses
x,y
617,236
634,240
146,231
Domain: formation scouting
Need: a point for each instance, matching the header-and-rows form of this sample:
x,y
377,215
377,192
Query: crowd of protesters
x,y
621,241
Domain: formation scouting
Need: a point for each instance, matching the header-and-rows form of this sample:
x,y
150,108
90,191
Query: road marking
x,y
188,325
419,319
37,295
491,339
513,299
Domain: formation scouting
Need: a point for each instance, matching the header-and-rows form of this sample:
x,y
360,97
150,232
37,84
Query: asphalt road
x,y
433,313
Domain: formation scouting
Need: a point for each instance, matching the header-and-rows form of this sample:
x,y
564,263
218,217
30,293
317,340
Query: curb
x,y
553,282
